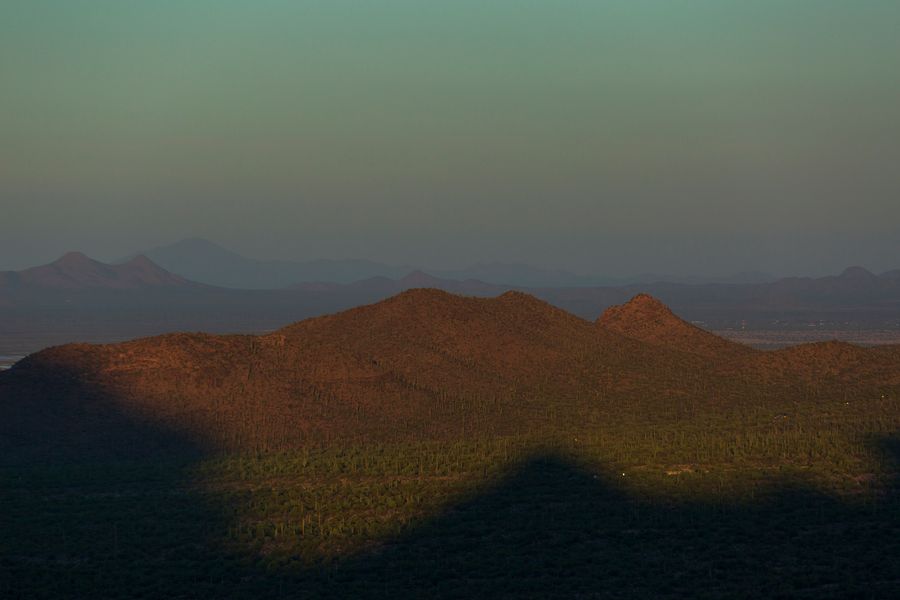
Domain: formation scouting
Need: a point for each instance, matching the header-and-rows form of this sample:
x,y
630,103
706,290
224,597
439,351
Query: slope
x,y
647,319
424,364
75,271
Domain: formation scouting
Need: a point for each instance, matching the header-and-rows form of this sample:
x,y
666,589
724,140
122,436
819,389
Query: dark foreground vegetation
x,y
505,518
647,466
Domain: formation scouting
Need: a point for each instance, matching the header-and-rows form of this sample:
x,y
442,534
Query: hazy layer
x,y
604,137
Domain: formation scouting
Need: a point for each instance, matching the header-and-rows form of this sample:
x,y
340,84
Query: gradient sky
x,y
620,137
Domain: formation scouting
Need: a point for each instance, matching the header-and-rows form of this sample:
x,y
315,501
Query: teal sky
x,y
607,137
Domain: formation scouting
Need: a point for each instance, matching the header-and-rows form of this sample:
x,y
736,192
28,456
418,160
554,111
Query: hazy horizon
x,y
607,139
444,271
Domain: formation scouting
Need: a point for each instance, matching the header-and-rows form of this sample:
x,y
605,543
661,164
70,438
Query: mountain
x,y
207,262
647,319
517,274
76,298
404,364
741,278
853,285
712,303
856,296
424,363
80,299
204,261
75,271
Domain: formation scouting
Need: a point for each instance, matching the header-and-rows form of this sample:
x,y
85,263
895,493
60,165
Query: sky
x,y
604,137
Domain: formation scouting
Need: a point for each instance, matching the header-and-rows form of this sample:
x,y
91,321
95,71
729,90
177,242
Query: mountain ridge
x,y
207,262
75,270
406,365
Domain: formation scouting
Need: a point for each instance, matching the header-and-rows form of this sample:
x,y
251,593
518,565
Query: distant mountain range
x,y
206,262
854,287
78,298
76,271
75,279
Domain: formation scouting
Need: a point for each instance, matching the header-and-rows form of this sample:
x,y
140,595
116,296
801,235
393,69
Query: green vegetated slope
x,y
436,445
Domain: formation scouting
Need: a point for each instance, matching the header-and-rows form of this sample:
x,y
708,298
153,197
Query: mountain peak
x,y
522,298
419,278
857,272
641,308
144,271
647,319
647,302
74,270
141,260
420,294
73,259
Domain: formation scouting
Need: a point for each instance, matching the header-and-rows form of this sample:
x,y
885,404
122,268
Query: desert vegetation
x,y
434,445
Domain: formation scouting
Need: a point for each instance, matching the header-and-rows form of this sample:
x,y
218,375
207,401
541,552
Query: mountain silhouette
x,y
75,271
207,262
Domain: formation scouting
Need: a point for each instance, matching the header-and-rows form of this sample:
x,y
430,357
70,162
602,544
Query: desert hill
x,y
424,363
822,364
512,340
647,319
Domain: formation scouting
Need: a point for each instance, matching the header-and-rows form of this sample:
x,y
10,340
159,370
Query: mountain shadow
x,y
58,418
551,528
95,500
